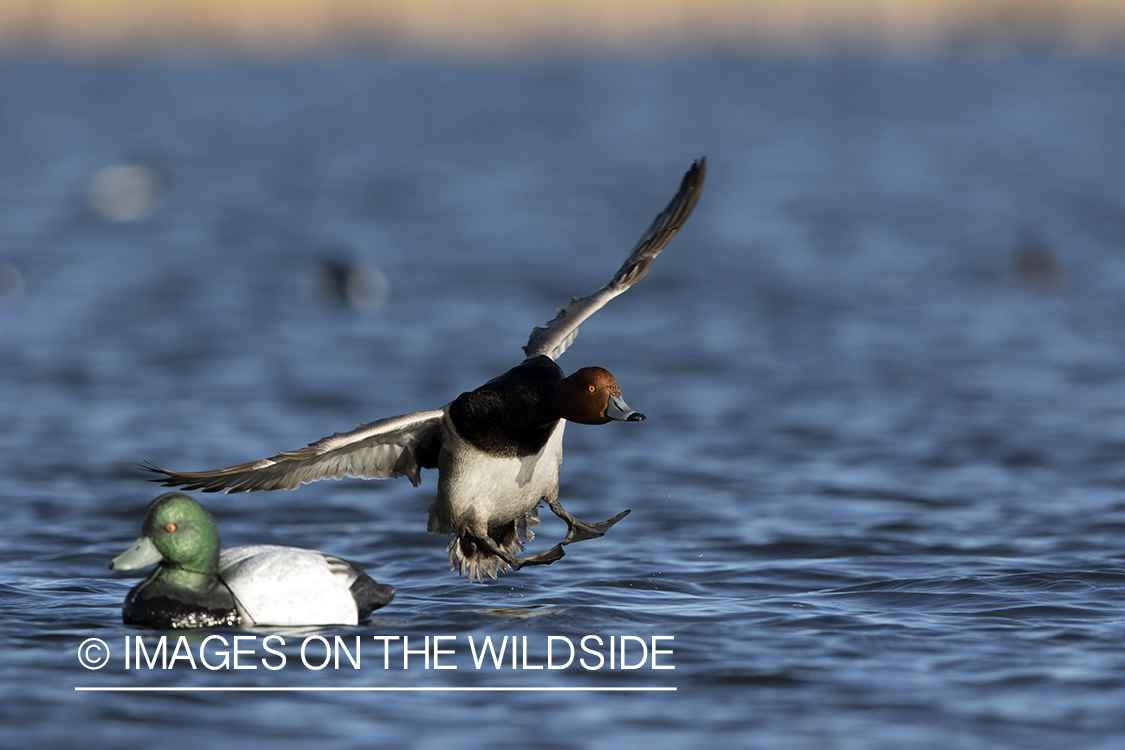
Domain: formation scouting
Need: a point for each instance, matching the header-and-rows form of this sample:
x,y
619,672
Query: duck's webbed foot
x,y
546,557
541,558
578,531
477,556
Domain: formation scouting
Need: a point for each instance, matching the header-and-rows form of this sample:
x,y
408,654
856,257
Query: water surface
x,y
878,501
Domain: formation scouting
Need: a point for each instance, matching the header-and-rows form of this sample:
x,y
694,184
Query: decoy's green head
x,y
178,533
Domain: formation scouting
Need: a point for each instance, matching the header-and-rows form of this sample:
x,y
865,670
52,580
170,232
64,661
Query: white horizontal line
x,y
376,689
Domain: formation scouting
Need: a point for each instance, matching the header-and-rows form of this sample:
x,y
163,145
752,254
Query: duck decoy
x,y
497,449
197,586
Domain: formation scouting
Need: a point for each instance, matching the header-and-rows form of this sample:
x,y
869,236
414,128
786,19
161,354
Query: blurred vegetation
x,y
498,25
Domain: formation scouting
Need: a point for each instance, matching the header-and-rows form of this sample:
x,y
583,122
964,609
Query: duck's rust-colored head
x,y
591,396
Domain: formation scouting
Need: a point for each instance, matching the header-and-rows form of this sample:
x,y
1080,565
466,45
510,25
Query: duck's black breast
x,y
155,607
510,416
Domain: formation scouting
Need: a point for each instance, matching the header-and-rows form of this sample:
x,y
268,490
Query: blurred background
x,y
507,25
878,500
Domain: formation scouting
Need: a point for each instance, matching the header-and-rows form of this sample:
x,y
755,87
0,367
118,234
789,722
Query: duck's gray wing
x,y
393,447
560,332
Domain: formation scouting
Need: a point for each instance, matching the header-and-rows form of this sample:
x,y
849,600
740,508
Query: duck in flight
x,y
498,449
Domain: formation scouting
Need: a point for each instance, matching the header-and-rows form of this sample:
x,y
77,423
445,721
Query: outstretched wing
x,y
560,332
389,448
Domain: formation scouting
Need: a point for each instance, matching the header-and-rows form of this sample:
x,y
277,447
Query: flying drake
x,y
497,449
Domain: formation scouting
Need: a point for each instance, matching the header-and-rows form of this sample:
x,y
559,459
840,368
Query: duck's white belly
x,y
287,586
476,489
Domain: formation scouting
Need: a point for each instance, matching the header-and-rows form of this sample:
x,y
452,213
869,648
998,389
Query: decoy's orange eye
x,y
170,528
592,389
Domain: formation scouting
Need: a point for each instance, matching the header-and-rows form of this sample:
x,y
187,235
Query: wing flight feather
x,y
560,332
385,449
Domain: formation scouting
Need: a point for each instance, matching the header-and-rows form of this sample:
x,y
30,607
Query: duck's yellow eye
x,y
592,389
170,528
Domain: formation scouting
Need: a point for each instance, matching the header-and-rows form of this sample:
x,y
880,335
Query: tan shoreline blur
x,y
514,24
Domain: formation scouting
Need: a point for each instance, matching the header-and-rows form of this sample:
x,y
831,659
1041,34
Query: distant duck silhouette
x,y
127,192
1036,266
337,282
497,449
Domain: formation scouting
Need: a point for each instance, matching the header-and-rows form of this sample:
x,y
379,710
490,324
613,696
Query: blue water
x,y
879,501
